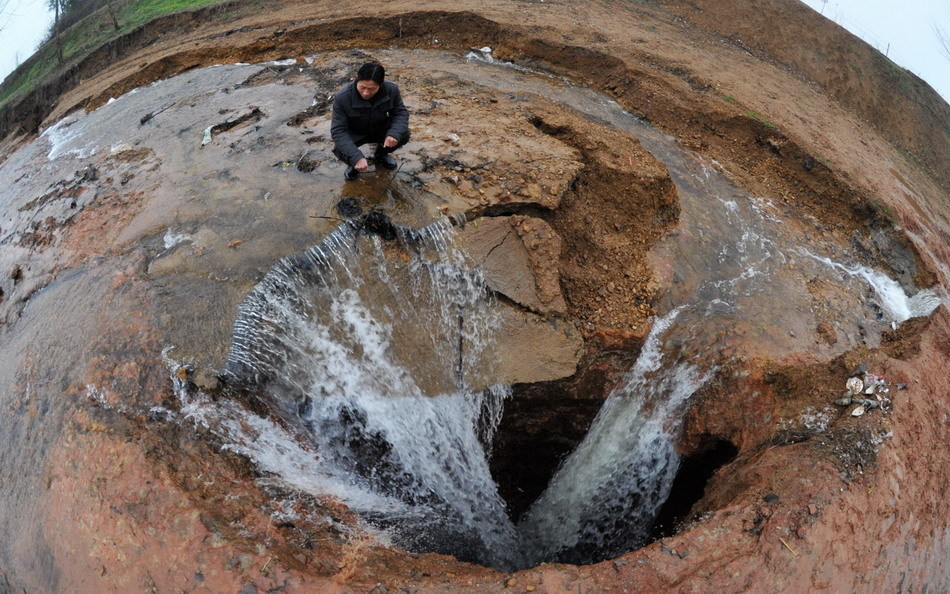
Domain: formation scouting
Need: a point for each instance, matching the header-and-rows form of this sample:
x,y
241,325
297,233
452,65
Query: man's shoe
x,y
351,174
386,161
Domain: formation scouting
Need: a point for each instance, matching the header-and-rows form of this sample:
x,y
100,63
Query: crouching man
x,y
368,110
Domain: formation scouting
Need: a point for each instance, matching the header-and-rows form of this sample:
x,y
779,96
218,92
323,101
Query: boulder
x,y
518,256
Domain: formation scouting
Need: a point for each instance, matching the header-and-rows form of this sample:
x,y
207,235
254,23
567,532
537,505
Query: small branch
x,y
788,547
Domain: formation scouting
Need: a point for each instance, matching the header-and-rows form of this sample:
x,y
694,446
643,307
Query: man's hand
x,y
390,142
362,164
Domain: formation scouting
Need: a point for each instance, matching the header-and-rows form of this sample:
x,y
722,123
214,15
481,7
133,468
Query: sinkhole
x,y
389,358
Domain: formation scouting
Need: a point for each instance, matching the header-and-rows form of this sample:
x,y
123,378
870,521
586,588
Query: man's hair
x,y
373,71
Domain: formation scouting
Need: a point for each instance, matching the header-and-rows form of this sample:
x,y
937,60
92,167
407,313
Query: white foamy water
x,y
406,429
607,493
65,138
898,305
171,239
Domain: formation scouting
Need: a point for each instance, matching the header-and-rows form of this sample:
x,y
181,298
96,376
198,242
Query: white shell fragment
x,y
858,411
855,385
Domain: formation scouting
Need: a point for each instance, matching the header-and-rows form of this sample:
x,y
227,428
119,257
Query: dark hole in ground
x,y
542,424
690,484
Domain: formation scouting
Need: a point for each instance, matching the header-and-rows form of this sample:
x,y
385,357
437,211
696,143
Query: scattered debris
x,y
788,547
148,117
91,174
861,386
254,114
309,161
859,370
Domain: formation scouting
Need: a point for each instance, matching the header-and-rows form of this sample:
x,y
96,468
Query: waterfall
x,y
341,341
895,303
604,498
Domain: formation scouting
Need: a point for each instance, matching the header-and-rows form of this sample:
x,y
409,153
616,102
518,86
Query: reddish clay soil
x,y
859,506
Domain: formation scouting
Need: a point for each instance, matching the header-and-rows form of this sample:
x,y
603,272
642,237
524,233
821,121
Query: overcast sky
x,y
903,30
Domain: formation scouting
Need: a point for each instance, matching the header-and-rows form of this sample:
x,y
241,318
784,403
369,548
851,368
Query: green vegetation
x,y
728,98
85,36
142,11
759,118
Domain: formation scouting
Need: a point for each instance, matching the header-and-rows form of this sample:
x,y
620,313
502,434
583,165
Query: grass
x,y
728,98
86,36
144,11
759,118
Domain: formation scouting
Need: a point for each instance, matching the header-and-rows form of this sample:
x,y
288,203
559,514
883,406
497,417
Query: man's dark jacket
x,y
357,121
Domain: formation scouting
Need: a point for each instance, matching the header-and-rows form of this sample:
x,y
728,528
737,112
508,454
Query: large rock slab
x,y
530,349
519,258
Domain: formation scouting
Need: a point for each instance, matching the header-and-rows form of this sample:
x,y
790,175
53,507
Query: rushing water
x,y
374,357
411,454
604,498
381,358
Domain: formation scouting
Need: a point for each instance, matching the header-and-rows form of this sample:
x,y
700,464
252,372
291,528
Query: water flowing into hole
x,y
382,361
380,357
377,356
891,298
604,498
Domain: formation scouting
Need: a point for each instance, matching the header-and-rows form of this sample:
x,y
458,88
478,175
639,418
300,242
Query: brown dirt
x,y
849,516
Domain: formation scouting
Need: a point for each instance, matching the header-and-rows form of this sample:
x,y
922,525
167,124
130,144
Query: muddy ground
x,y
810,499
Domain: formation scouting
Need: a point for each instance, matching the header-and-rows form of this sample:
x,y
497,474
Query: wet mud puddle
x,y
378,355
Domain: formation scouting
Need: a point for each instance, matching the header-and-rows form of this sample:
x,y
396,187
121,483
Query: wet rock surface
x,y
128,235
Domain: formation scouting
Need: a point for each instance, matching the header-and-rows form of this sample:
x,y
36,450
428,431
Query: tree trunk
x,y
111,8
59,41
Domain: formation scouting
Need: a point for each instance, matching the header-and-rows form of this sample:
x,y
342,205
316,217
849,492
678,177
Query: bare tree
x,y
5,15
58,5
943,38
111,9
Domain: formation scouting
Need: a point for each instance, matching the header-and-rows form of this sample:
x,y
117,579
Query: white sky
x,y
903,30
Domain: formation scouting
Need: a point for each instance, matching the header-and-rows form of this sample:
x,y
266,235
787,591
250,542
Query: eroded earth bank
x,y
592,335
